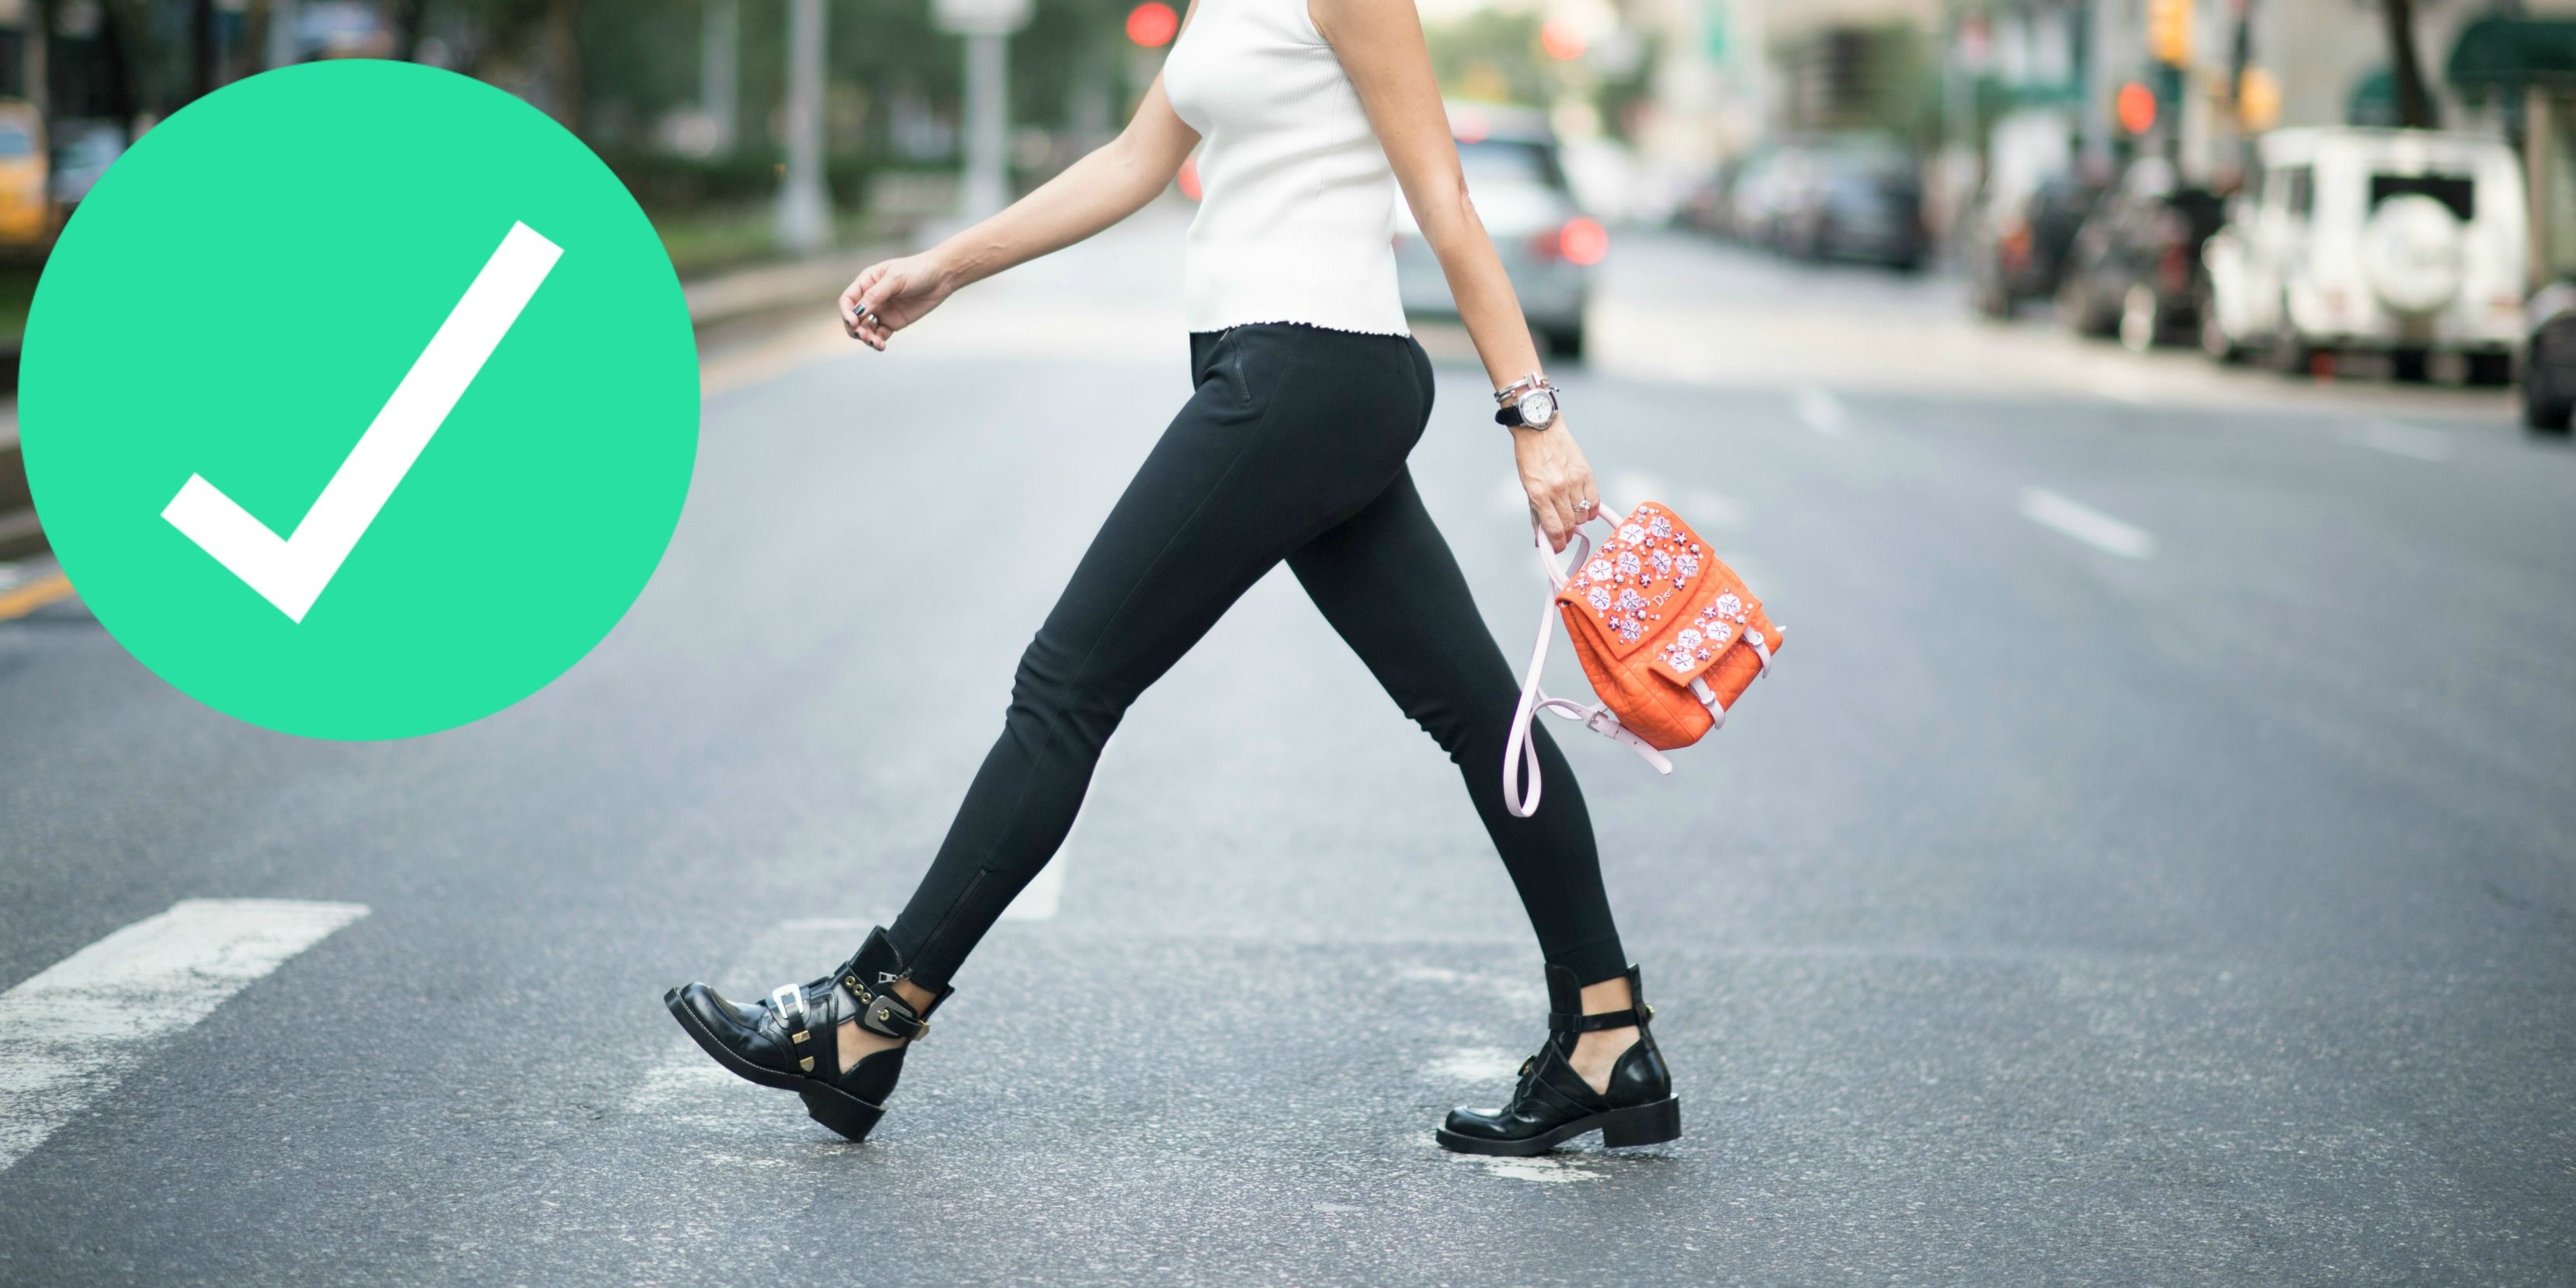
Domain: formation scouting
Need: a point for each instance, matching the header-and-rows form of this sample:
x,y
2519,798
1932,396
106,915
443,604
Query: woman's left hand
x,y
1557,480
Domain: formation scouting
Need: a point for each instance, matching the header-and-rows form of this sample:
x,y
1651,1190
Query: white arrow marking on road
x,y
292,571
67,1034
1822,412
2086,524
2398,439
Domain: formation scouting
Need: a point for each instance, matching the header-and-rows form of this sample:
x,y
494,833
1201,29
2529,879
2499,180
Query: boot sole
x,y
826,1104
1649,1124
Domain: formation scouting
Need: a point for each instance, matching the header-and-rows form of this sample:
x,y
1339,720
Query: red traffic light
x,y
1558,39
2135,107
1152,24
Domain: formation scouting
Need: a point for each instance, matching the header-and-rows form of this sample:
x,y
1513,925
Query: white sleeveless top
x,y
1296,219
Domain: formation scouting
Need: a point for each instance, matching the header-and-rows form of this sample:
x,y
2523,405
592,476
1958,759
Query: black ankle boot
x,y
1553,1104
791,1039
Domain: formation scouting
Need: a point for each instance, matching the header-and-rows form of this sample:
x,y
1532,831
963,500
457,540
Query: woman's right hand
x,y
892,294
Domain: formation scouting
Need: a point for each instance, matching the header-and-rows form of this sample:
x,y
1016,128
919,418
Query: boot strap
x,y
884,1012
789,1004
1560,1022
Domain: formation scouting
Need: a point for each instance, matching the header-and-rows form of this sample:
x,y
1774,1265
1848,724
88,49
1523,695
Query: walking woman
x,y
1310,114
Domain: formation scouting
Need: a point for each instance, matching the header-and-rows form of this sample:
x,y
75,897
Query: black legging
x,y
1292,448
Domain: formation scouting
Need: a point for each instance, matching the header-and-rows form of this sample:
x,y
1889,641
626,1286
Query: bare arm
x,y
1380,45
1108,185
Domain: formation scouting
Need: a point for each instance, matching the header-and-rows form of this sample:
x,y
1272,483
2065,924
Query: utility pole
x,y
281,32
804,207
720,72
2096,73
987,26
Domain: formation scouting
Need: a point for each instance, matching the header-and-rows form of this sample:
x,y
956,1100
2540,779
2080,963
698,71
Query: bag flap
x,y
1726,619
1649,576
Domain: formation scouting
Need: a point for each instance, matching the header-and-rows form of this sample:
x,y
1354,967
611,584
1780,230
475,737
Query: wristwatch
x,y
1526,403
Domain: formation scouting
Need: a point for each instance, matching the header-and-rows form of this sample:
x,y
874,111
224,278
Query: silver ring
x,y
1581,506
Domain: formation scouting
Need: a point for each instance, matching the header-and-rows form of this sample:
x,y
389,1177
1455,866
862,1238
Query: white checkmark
x,y
292,571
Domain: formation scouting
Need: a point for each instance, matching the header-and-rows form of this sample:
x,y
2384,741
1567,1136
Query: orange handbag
x,y
1667,633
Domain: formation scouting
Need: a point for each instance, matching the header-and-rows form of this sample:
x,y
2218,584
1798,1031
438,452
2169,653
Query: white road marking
x,y
1706,509
1037,900
67,1034
2396,438
1543,1169
2086,524
1474,1065
1822,412
290,572
1633,488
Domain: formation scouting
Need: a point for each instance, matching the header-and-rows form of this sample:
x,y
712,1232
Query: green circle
x,y
241,296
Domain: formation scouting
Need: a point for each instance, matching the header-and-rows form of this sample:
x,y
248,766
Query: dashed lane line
x,y
1822,412
2397,438
2084,523
67,1033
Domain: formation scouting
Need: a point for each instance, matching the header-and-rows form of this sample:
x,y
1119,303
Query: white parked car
x,y
2402,242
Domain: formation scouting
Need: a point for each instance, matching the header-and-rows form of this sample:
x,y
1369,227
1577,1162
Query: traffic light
x,y
2169,31
1152,24
2135,108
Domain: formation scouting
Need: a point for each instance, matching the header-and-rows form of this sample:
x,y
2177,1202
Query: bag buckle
x,y
1603,721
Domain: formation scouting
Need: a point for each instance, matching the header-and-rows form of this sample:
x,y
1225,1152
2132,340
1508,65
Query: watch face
x,y
1538,407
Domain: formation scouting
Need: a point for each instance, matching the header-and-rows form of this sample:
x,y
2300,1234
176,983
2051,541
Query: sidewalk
x,y
738,296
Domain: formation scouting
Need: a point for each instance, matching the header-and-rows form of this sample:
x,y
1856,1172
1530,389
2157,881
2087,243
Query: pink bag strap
x,y
1520,752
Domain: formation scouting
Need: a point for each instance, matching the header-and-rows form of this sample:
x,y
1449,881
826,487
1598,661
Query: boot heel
x,y
842,1112
1643,1125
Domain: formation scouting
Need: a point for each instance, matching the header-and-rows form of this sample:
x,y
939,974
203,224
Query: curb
x,y
20,533
724,297
770,288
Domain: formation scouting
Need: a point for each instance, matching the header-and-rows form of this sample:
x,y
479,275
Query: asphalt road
x,y
2154,862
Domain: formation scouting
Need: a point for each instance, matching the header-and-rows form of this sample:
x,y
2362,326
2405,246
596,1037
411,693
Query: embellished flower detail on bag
x,y
1728,607
1649,561
1688,639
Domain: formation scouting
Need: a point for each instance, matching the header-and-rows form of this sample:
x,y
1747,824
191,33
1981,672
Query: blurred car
x,y
26,211
1854,198
2549,360
83,150
2134,269
2019,249
1548,245
2403,242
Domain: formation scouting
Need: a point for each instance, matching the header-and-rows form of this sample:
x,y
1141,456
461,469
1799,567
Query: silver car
x,y
1548,245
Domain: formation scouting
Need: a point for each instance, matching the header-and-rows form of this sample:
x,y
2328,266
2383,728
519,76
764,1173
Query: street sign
x,y
979,17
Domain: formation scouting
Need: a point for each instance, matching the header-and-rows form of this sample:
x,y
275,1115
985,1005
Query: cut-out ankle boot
x,y
791,1039
1553,1104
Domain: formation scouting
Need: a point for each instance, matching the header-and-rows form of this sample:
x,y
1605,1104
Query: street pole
x,y
281,32
719,72
987,26
804,209
2097,83
988,113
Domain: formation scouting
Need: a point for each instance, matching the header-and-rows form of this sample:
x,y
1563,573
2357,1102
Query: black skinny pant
x,y
1292,448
